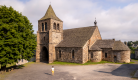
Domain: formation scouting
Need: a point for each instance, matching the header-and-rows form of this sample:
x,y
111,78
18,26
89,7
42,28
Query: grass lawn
x,y
135,59
87,63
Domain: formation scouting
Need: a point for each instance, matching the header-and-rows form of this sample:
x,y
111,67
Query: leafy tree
x,y
129,43
16,37
132,50
136,42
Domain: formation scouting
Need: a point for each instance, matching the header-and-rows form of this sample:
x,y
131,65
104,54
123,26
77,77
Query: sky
x,y
116,19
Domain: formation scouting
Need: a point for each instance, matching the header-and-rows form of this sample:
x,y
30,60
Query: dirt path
x,y
89,72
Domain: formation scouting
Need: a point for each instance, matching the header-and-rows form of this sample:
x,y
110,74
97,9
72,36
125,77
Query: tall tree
x,y
16,37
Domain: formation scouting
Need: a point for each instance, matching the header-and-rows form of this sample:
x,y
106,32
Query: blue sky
x,y
116,18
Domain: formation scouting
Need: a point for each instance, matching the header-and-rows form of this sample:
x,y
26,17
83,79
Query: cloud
x,y
115,22
17,5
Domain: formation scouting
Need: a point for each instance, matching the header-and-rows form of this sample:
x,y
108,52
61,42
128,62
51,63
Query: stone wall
x,y
116,56
38,48
40,25
96,36
66,54
109,54
97,56
136,54
48,38
122,56
85,52
55,36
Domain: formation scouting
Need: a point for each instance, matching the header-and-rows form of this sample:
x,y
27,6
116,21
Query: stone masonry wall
x,y
40,25
66,54
122,56
96,36
49,38
97,56
38,48
85,52
55,36
109,54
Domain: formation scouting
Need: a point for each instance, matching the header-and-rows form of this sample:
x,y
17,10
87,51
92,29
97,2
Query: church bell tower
x,y
49,34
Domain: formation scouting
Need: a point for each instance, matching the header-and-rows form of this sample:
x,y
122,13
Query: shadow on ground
x,y
14,68
48,74
125,70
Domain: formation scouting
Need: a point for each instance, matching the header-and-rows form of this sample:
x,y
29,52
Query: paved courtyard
x,y
42,71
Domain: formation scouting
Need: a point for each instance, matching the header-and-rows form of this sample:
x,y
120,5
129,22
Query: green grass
x,y
87,63
135,59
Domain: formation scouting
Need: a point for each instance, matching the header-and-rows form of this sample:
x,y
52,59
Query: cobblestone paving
x,y
42,71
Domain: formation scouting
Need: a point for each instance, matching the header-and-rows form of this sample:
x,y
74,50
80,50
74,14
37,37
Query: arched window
x,y
54,26
72,53
91,55
57,26
44,38
105,55
45,26
59,53
42,26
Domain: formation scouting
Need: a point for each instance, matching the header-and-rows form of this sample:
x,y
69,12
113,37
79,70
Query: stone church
x,y
77,45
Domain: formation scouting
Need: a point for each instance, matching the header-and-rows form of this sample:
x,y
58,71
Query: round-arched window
x,y
57,26
42,26
54,26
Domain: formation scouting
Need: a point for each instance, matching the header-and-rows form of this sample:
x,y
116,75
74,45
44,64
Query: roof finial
x,y
95,23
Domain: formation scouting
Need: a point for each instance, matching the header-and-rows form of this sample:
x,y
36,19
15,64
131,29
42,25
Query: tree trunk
x,y
3,68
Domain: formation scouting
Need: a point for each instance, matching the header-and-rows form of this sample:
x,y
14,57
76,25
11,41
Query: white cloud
x,y
17,5
118,23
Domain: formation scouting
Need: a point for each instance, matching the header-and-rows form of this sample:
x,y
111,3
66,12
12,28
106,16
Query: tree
x,y
132,50
16,37
129,43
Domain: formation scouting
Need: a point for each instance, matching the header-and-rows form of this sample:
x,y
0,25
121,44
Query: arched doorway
x,y
45,55
115,59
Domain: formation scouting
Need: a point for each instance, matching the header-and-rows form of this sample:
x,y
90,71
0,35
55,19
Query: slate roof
x,y
118,45
115,45
50,14
95,47
76,37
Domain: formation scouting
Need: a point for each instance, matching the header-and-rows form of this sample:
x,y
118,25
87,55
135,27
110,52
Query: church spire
x,y
50,14
95,23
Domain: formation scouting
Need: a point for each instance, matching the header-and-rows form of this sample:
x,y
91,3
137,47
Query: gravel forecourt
x,y
42,71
